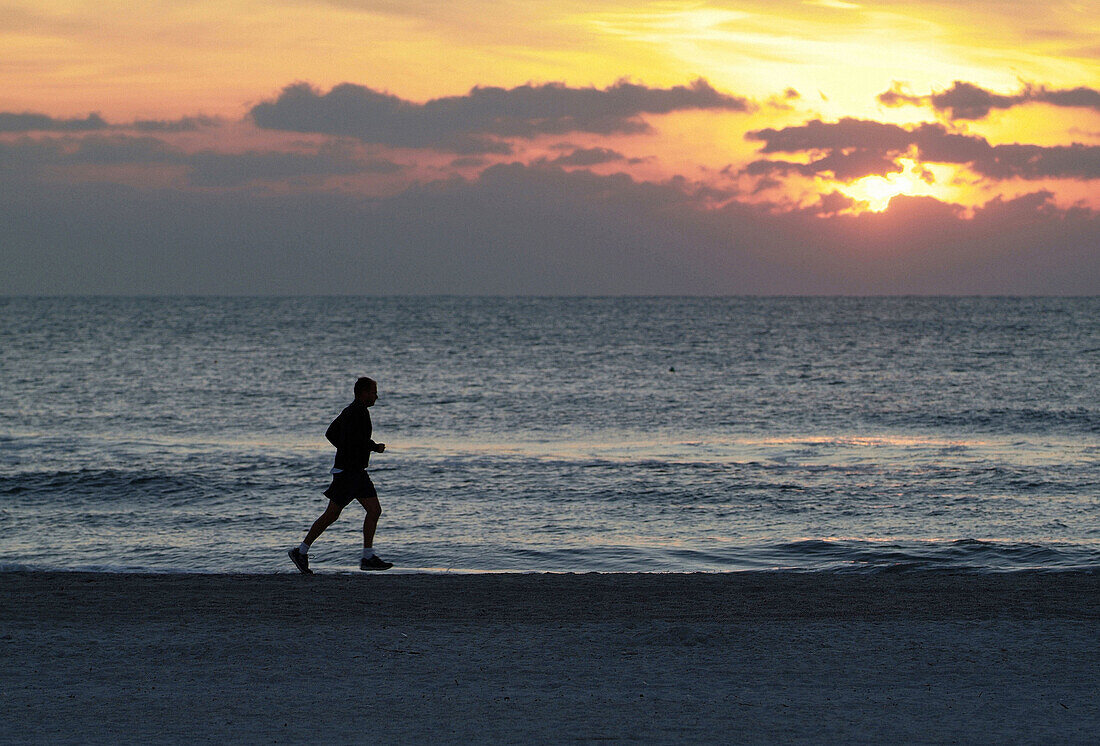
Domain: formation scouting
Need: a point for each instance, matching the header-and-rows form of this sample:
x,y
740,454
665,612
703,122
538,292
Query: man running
x,y
351,434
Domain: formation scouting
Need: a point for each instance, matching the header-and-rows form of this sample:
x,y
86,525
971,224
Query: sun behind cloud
x,y
877,191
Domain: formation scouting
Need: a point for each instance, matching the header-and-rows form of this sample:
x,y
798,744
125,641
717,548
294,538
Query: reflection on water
x,y
834,450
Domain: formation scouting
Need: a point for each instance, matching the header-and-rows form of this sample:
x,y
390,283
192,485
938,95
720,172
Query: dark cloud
x,y
1036,162
854,148
234,169
205,168
816,135
968,101
117,149
30,122
1080,97
936,144
765,183
842,166
478,121
469,161
588,157
183,124
783,101
24,155
532,230
912,210
27,154
1027,209
834,202
513,230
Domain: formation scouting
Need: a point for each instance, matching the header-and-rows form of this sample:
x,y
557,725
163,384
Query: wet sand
x,y
744,657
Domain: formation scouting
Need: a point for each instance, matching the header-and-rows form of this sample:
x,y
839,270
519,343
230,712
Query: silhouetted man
x,y
351,434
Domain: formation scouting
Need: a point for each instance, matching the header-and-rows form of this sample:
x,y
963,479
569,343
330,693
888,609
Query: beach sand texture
x,y
420,658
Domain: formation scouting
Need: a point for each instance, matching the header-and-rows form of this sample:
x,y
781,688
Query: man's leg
x,y
370,560
326,519
370,520
299,555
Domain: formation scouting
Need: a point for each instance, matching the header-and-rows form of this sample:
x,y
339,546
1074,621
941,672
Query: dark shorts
x,y
350,485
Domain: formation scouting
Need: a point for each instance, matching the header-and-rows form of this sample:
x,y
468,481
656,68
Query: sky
x,y
549,148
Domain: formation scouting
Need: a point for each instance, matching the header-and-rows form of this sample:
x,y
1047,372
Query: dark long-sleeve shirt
x,y
350,432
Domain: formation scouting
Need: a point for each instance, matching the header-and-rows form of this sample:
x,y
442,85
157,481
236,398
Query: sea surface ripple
x,y
556,434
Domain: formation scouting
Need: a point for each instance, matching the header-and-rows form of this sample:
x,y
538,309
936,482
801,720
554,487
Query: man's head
x,y
366,391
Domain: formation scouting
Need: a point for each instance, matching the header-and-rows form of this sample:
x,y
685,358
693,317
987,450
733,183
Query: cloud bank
x,y
480,121
31,122
519,229
27,158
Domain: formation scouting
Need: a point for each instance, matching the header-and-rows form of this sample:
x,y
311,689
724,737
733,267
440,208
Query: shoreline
x,y
686,658
683,596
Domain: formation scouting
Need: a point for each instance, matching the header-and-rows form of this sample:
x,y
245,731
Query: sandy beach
x,y
747,657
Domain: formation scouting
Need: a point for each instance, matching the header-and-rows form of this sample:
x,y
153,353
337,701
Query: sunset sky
x,y
406,146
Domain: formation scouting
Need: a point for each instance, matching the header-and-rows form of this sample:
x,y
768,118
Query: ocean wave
x,y
809,555
959,555
997,420
829,556
109,484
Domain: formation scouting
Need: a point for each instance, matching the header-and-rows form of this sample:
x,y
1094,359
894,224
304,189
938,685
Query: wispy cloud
x,y
588,157
31,122
857,147
968,101
26,157
34,122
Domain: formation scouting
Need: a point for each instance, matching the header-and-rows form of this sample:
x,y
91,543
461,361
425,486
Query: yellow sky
x,y
161,58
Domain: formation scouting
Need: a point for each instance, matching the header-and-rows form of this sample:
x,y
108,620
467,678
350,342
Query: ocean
x,y
555,434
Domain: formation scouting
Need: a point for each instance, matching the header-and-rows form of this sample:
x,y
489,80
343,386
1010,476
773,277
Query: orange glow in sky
x,y
794,60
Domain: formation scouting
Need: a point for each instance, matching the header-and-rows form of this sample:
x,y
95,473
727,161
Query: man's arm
x,y
335,432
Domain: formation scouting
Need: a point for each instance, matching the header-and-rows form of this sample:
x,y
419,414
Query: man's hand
x,y
379,447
